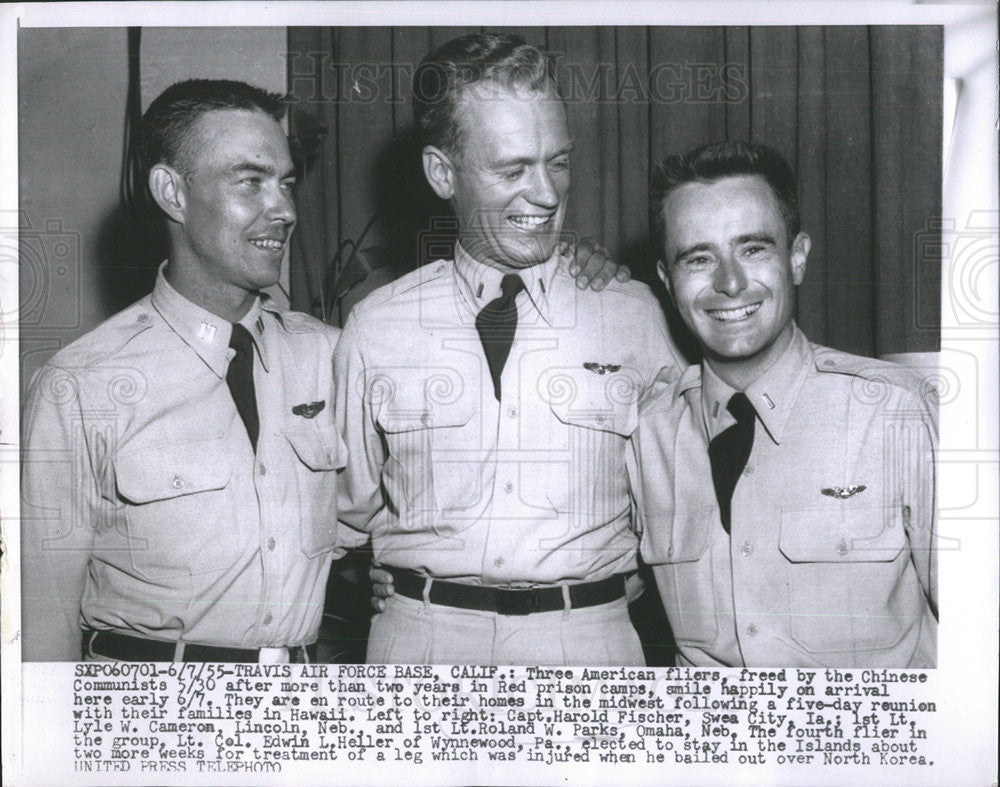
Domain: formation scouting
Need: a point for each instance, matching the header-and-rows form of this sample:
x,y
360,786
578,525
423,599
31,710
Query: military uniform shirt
x,y
829,561
528,490
142,493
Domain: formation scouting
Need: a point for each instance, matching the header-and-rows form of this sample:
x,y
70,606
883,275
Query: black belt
x,y
125,648
506,601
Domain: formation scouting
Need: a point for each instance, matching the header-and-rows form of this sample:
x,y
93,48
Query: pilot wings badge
x,y
601,368
310,410
843,492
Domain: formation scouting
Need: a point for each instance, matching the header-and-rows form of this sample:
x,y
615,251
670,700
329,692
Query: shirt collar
x,y
690,378
253,321
772,395
479,284
205,333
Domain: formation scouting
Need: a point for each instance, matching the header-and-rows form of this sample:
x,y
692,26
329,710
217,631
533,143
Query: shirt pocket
x,y
319,453
435,454
593,420
685,578
180,515
845,570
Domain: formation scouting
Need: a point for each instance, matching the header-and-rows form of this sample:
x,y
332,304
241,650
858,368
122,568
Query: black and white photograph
x,y
500,393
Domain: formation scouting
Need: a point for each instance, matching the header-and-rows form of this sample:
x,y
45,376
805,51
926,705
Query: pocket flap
x,y
317,449
873,534
417,405
676,536
607,402
160,472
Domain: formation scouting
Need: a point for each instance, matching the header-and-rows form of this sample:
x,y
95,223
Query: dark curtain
x,y
856,110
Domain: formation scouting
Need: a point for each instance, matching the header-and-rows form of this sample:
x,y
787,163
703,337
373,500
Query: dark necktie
x,y
729,451
240,381
496,324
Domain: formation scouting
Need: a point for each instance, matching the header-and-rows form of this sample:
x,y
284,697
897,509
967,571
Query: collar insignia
x,y
206,331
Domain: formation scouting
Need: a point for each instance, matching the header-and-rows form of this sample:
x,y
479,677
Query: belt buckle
x,y
273,656
518,602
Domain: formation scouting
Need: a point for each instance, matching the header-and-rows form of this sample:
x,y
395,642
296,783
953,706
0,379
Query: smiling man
x,y
179,488
487,402
785,490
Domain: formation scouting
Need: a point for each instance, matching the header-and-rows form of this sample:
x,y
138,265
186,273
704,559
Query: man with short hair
x,y
179,487
785,490
487,402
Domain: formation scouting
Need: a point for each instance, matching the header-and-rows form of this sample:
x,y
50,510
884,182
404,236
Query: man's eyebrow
x,y
756,237
527,160
565,150
750,237
692,249
260,169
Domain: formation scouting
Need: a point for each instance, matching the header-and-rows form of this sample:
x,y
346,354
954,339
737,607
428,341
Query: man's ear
x,y
799,256
167,187
439,171
661,271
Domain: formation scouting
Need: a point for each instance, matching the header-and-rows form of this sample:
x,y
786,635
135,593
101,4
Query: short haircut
x,y
443,77
166,126
710,163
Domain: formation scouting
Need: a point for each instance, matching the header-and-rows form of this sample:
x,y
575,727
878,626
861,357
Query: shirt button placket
x,y
504,481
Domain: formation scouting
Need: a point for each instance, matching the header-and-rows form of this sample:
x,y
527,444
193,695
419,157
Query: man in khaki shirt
x,y
497,495
823,553
162,519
